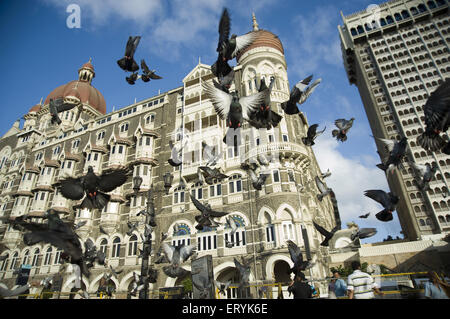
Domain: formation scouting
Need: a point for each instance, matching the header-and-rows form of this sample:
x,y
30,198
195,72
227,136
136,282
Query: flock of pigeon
x,y
235,109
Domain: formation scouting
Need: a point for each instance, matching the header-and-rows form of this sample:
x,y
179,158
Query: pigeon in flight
x,y
426,173
212,173
323,190
343,127
225,82
364,216
201,283
127,63
132,78
396,150
326,174
211,154
148,74
297,258
264,117
178,254
258,180
207,214
327,234
363,233
57,106
92,255
63,238
132,227
94,187
231,107
299,94
388,200
137,284
229,47
176,153
232,224
243,271
222,286
437,119
79,224
312,134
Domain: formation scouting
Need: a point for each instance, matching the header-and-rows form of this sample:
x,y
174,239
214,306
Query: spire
x,y
255,23
41,101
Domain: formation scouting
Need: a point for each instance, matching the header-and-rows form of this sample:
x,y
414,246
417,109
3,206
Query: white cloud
x,y
350,177
316,42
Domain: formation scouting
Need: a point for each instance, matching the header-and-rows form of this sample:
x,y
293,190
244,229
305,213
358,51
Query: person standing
x,y
436,288
360,285
300,288
337,287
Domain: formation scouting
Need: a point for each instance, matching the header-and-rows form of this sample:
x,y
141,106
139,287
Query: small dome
x,y
82,91
265,39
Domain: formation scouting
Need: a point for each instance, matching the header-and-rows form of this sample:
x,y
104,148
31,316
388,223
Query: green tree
x,y
187,284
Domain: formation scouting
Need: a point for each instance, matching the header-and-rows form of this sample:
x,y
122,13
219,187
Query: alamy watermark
x,y
73,21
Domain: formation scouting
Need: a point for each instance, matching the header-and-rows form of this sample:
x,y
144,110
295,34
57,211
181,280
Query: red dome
x,y
88,65
82,91
265,39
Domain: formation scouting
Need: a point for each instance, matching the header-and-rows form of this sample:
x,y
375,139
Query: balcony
x,y
285,149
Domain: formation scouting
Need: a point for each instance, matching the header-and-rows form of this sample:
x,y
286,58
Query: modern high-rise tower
x,y
397,54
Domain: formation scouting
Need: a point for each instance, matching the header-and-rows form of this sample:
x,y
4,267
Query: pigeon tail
x,y
431,140
384,215
335,133
382,166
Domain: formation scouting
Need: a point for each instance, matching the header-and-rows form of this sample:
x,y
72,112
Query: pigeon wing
x,y
387,143
168,251
322,230
341,123
224,28
438,106
220,99
320,185
244,41
109,181
421,169
251,103
379,196
72,188
144,67
186,252
198,205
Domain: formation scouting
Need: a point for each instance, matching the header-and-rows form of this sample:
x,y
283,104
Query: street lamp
x,y
137,182
150,214
168,178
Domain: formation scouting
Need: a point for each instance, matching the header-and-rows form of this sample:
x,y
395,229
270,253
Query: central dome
x,y
264,39
81,90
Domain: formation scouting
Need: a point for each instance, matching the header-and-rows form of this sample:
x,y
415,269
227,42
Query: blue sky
x,y
39,52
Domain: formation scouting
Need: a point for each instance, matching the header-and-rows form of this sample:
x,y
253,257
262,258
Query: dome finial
x,y
90,60
41,101
255,23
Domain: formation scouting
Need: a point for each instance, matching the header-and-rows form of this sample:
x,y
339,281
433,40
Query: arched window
x,y
431,4
116,248
26,257
414,11
132,246
48,256
57,256
4,262
360,29
353,31
398,17
100,135
35,257
421,222
14,261
441,219
421,8
389,19
104,246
